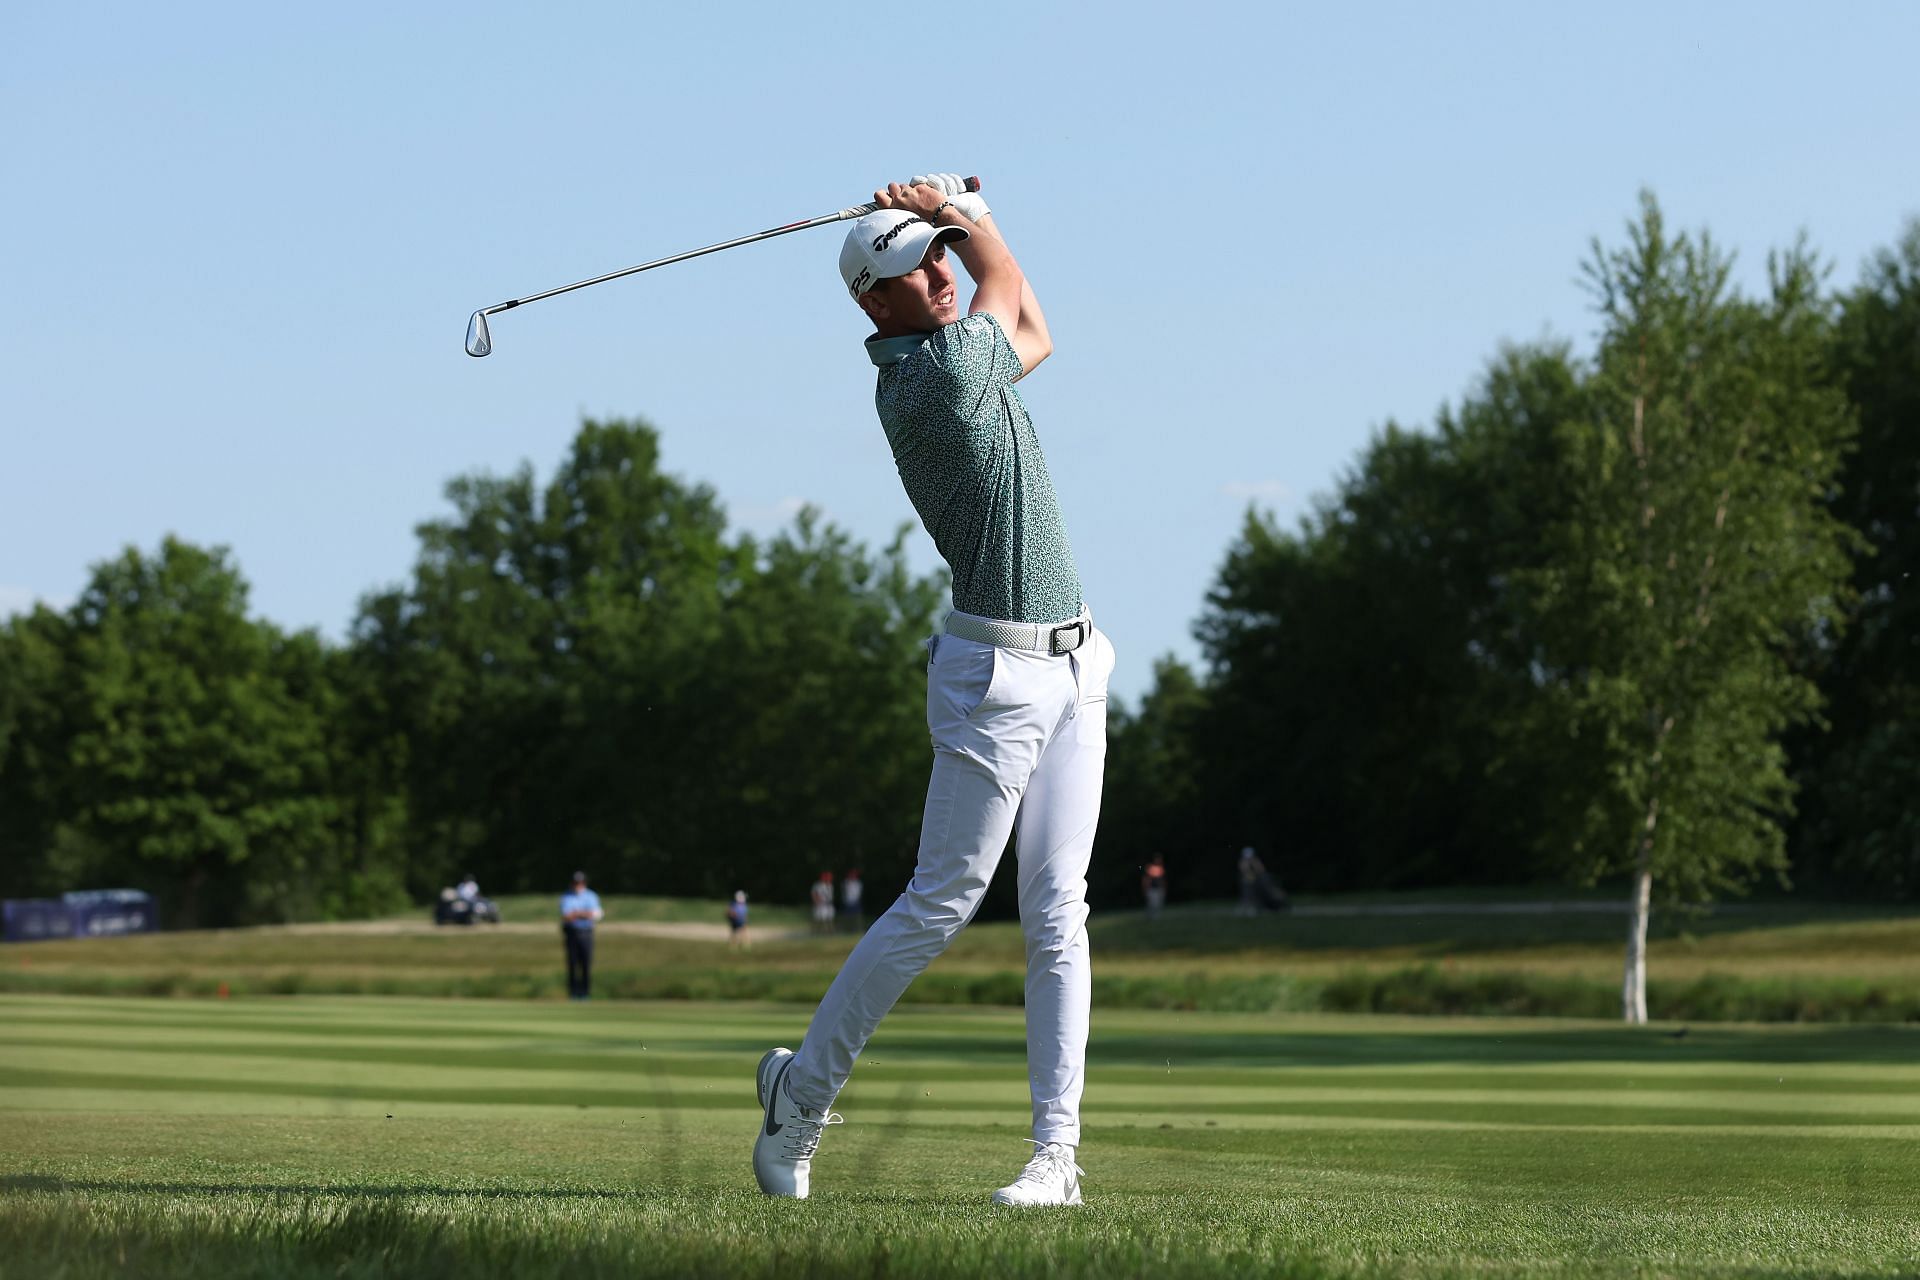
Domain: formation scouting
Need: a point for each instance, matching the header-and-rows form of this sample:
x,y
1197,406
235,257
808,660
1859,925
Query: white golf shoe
x,y
1051,1177
789,1132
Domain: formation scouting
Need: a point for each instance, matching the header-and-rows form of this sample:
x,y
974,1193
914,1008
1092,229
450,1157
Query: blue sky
x,y
242,241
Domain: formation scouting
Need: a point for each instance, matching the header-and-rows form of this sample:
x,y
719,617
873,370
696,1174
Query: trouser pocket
x,y
960,680
1095,669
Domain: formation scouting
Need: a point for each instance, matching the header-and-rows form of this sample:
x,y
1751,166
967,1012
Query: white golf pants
x,y
1019,748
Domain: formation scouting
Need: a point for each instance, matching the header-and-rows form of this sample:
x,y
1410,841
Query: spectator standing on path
x,y
579,912
851,909
1251,869
823,903
737,921
1153,884
468,888
1258,889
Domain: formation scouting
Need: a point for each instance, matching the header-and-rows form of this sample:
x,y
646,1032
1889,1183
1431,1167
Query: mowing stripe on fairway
x,y
1251,1072
673,1083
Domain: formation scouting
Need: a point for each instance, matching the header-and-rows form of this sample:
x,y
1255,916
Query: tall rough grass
x,y
1426,989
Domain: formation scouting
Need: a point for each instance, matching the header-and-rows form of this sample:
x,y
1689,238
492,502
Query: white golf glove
x,y
971,204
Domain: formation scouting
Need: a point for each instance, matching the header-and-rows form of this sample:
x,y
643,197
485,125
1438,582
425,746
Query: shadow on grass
x,y
1443,1044
36,1182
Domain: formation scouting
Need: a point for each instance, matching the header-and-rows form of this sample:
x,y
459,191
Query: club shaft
x,y
856,212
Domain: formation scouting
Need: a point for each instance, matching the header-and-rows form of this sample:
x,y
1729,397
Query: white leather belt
x,y
1053,638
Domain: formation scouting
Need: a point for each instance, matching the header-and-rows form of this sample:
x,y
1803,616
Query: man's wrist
x,y
941,208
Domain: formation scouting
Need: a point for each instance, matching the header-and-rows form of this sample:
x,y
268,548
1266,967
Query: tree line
x,y
590,674
1639,615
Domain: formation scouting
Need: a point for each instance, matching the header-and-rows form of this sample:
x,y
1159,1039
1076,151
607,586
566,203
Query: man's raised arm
x,y
1028,333
1031,341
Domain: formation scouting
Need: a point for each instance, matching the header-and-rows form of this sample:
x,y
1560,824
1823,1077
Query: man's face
x,y
921,300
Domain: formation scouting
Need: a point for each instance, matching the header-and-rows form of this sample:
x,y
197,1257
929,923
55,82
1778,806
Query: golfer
x,y
1016,681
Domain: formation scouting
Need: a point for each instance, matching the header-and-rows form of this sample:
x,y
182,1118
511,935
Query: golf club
x,y
480,339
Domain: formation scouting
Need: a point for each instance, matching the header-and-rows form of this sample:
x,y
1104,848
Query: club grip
x,y
861,210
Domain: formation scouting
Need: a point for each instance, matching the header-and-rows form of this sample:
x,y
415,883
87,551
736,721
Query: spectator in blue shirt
x,y
737,921
579,910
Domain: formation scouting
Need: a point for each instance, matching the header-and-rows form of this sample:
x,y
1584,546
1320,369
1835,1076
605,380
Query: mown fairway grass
x,y
409,1137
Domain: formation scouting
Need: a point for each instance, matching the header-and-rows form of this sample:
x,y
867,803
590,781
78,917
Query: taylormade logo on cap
x,y
881,242
888,243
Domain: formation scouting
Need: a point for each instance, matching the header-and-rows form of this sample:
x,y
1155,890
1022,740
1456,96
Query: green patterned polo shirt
x,y
972,466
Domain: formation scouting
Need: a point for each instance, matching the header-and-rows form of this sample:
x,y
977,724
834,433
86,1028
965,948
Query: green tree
x,y
534,665
36,703
1366,669
192,764
368,749
1861,824
1153,798
822,758
1696,551
594,674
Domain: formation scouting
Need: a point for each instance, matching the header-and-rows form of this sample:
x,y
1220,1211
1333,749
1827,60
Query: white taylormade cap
x,y
888,243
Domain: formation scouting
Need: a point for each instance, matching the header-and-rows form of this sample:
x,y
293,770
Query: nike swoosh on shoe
x,y
773,1096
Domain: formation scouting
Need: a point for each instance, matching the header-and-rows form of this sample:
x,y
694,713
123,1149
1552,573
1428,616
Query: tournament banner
x,y
106,913
36,919
89,913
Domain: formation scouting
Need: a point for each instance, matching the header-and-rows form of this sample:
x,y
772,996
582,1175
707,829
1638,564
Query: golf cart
x,y
455,909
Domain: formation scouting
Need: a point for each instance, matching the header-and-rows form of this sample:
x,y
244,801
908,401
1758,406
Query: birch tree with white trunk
x,y
1695,548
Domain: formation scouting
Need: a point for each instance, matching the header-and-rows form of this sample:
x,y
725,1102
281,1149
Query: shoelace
x,y
1047,1161
804,1136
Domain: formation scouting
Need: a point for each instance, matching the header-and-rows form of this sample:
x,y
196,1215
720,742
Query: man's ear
x,y
874,303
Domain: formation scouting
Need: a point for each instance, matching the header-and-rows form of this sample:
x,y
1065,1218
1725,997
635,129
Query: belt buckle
x,y
1078,627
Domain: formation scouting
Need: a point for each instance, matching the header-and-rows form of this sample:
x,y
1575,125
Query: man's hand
x,y
920,200
971,204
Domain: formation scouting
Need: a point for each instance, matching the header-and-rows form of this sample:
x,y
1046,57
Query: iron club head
x,y
479,341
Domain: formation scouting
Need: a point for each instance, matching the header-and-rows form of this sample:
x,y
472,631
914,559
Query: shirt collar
x,y
886,351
